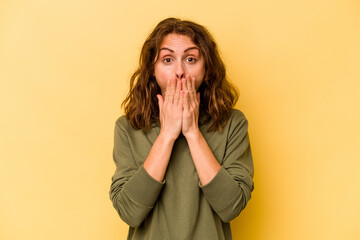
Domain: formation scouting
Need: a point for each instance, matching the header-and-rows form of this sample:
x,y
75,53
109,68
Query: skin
x,y
178,57
179,62
179,72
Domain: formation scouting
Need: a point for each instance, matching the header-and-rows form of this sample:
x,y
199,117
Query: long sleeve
x,y
230,190
133,191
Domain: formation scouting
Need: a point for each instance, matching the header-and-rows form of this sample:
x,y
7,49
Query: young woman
x,y
184,167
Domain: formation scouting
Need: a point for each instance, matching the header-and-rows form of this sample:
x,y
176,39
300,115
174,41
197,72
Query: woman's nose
x,y
179,70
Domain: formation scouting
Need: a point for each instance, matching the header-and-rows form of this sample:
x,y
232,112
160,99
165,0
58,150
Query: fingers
x,y
188,85
181,100
170,90
182,92
172,85
177,92
160,102
168,85
183,84
192,91
186,101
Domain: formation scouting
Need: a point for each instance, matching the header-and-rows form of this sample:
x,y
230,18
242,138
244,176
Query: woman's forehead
x,y
178,43
176,40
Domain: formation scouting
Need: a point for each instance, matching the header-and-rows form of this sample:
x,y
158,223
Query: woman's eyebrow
x,y
190,48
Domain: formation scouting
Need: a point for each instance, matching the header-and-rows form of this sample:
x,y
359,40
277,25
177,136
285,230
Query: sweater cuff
x,y
143,188
221,190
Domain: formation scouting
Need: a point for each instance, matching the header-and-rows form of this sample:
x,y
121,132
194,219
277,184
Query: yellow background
x,y
65,67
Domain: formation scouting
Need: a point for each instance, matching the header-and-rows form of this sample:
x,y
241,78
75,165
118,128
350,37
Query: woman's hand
x,y
171,110
191,105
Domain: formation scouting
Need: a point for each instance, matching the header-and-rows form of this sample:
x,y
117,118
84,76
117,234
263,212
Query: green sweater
x,y
179,207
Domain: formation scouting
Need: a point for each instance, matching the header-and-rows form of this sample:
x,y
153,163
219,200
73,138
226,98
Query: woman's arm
x,y
229,190
227,187
159,156
204,160
170,121
134,190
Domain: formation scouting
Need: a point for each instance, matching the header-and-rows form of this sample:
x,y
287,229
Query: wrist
x,y
193,135
166,139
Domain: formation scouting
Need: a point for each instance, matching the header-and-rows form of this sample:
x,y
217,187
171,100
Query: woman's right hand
x,y
170,110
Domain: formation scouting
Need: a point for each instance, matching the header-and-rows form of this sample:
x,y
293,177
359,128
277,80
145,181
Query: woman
x,y
184,167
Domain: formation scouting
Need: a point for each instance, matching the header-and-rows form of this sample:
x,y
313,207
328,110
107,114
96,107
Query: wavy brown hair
x,y
217,94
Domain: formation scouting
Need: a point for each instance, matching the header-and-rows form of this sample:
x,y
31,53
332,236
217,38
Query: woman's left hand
x,y
191,103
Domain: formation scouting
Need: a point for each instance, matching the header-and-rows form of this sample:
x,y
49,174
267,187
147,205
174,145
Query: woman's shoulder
x,y
237,121
237,116
122,123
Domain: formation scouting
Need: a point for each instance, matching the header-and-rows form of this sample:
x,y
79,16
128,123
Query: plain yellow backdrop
x,y
65,68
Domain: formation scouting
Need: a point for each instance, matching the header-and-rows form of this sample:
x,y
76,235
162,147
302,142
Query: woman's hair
x,y
217,94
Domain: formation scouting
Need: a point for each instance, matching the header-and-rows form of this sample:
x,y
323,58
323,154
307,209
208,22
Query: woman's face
x,y
178,57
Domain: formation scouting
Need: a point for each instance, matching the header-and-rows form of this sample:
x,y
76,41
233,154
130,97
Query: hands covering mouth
x,y
179,111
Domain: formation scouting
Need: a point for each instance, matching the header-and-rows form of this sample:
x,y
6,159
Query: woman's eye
x,y
167,60
191,59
